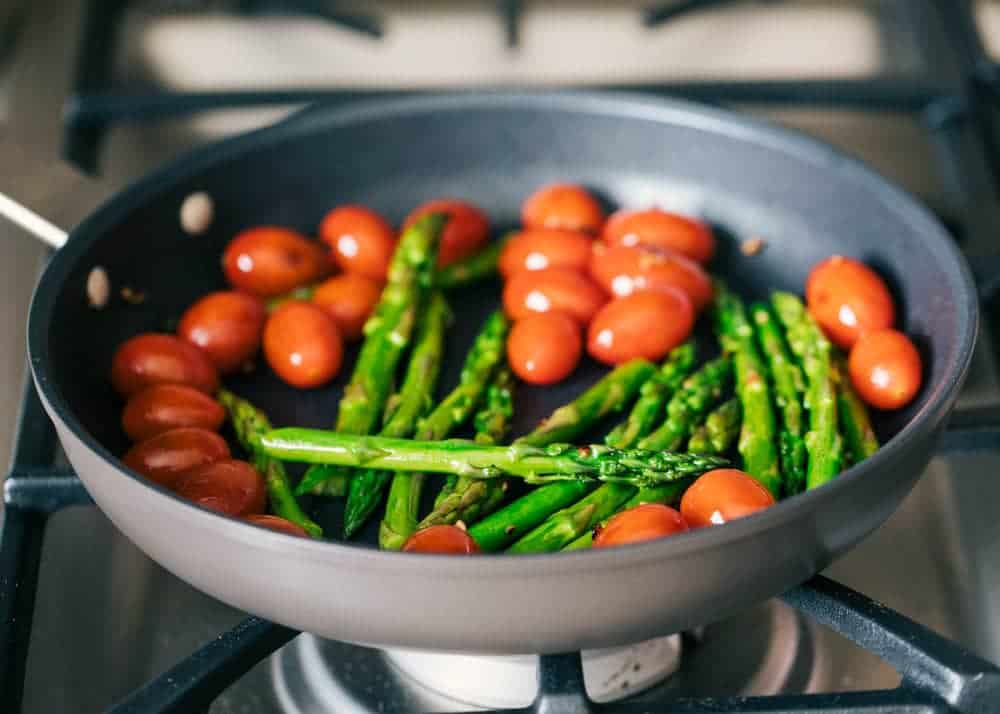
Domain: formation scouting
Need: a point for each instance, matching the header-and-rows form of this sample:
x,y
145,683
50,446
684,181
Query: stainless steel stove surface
x,y
107,619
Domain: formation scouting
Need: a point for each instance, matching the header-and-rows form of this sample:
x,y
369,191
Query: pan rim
x,y
625,105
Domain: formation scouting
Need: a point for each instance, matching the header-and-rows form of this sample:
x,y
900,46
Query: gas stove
x,y
90,624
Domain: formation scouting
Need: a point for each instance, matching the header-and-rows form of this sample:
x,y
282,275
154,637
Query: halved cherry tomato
x,y
544,348
302,344
441,539
166,456
646,325
349,299
467,229
655,228
152,358
848,298
647,521
721,496
163,407
541,248
276,523
269,261
360,240
623,271
228,486
226,325
885,368
553,289
563,205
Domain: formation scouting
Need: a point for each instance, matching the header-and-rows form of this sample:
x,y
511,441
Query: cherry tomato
x,y
563,205
269,261
302,344
623,271
467,229
228,486
149,359
226,326
441,539
721,496
654,228
848,298
166,456
275,523
544,348
559,289
163,407
647,521
360,240
349,299
885,368
641,325
541,248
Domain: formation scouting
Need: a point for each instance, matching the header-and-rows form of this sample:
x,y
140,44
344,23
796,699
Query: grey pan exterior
x,y
807,200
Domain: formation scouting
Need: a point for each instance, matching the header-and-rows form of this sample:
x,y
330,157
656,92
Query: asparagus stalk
x,y
564,526
473,269
387,334
859,437
250,423
698,394
719,431
502,528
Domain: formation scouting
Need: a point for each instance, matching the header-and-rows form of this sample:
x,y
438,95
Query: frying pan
x,y
747,178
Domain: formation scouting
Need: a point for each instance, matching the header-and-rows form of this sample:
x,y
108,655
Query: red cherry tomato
x,y
268,261
848,298
554,289
226,326
641,325
467,229
228,486
166,456
302,344
541,248
721,496
647,521
163,407
654,228
275,523
360,240
885,368
544,348
149,359
441,539
563,205
349,299
623,271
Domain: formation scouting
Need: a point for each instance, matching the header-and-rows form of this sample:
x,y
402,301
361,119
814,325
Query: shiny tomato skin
x,y
885,368
153,358
449,540
166,456
622,271
268,261
228,486
276,523
848,298
544,348
360,240
349,299
563,205
647,521
466,231
647,324
655,228
721,496
163,407
559,289
541,248
302,344
226,325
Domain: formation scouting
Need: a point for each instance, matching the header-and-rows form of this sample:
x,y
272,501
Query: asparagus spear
x,y
387,334
402,410
506,525
699,392
823,442
477,267
250,423
719,431
859,437
564,526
